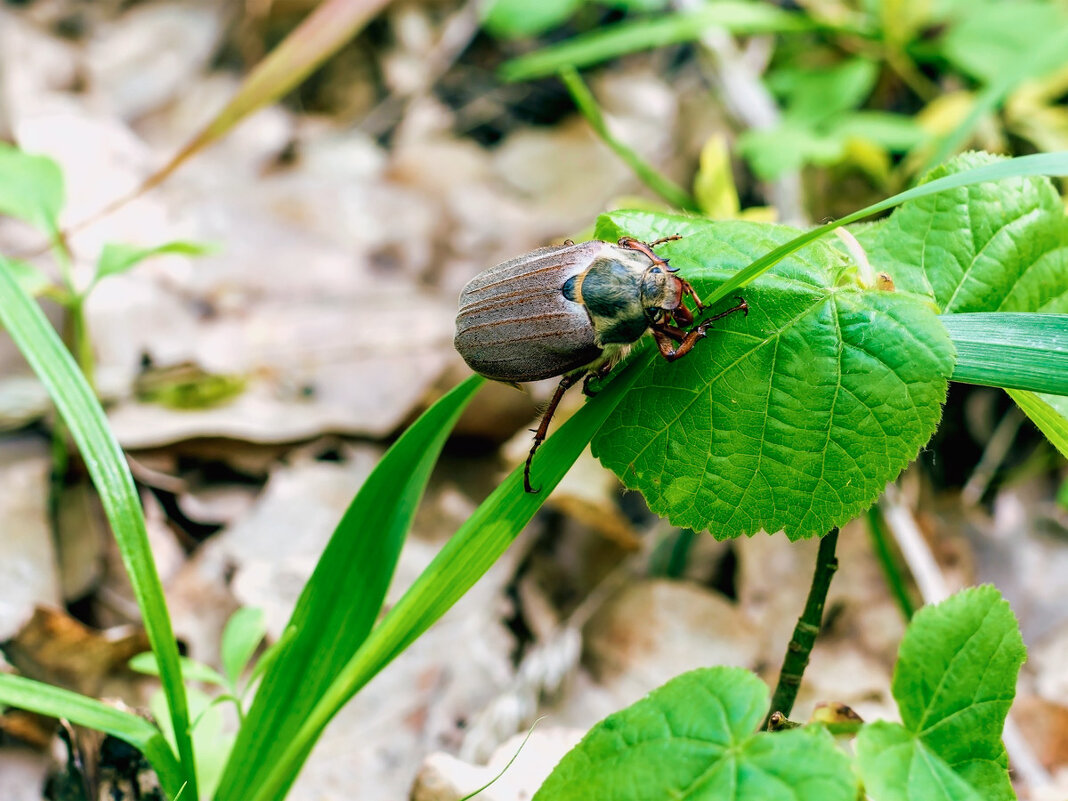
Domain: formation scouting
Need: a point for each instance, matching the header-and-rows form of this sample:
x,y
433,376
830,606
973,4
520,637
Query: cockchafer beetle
x,y
574,310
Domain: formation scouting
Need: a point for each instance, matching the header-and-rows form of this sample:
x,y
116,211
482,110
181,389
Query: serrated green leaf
x,y
1049,413
693,740
242,634
117,258
793,418
31,188
987,247
954,682
895,766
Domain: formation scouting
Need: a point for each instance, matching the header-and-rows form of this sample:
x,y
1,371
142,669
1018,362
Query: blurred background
x,y
256,371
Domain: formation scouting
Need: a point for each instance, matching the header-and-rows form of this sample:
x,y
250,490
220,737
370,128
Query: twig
x,y
806,630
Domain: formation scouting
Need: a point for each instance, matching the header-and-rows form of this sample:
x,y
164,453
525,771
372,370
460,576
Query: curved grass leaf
x,y
693,739
470,552
661,184
954,682
1011,350
792,418
241,636
343,597
1036,164
1049,413
107,466
645,34
44,699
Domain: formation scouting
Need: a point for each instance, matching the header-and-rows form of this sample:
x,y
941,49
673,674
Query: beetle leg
x,y
742,307
665,334
565,384
683,316
599,373
647,247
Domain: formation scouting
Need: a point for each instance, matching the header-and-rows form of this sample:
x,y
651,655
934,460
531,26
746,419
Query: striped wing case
x,y
514,322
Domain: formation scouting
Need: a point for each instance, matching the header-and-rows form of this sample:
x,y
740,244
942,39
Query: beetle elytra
x,y
574,310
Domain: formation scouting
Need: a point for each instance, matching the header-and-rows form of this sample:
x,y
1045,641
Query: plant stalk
x,y
806,630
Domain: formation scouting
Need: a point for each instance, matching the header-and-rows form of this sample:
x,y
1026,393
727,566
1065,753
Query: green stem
x,y
661,184
880,540
808,626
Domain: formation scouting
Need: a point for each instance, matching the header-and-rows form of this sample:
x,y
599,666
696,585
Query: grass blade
x,y
645,34
661,184
1049,413
81,710
460,563
1011,350
1036,164
107,466
327,631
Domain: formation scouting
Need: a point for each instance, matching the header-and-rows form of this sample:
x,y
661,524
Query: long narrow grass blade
x,y
323,33
629,37
1036,164
460,563
649,175
344,595
1011,350
107,466
44,699
1049,413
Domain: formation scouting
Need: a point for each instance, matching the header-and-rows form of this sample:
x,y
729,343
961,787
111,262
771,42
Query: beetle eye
x,y
656,271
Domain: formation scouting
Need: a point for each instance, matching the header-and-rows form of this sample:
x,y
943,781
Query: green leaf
x,y
793,418
211,743
1049,413
243,633
191,669
118,258
995,38
31,188
628,37
107,466
816,95
511,19
789,146
988,247
45,699
465,558
954,682
1011,350
323,633
693,739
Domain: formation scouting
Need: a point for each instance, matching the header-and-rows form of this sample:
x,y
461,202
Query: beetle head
x,y
662,291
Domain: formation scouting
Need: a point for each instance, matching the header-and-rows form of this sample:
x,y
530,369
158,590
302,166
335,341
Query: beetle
x,y
574,310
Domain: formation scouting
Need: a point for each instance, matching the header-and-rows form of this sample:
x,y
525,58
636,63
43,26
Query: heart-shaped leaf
x,y
792,418
693,740
954,681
